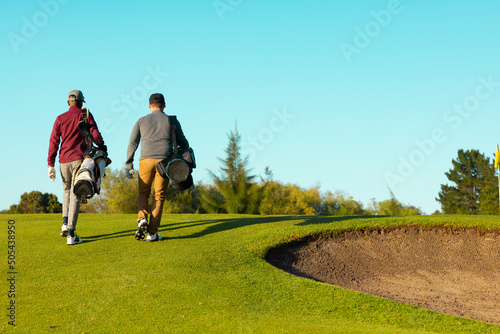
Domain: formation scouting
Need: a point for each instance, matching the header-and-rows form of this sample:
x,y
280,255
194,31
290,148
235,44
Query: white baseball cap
x,y
78,95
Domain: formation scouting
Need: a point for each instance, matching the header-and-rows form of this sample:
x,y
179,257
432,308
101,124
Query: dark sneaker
x,y
73,240
153,237
142,228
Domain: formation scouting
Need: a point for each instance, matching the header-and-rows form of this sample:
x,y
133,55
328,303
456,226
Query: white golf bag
x,y
87,178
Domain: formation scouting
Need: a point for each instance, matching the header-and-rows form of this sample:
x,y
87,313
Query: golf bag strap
x,y
173,128
84,131
85,114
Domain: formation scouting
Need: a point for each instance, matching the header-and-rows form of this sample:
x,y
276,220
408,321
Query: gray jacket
x,y
153,131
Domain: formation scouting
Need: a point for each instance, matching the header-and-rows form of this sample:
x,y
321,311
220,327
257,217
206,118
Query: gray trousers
x,y
70,204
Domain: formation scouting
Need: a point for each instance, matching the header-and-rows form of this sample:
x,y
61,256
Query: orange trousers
x,y
147,176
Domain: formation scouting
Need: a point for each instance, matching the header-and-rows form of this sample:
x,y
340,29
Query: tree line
x,y
236,191
36,202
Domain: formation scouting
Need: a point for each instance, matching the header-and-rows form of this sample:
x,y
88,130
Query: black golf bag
x,y
179,166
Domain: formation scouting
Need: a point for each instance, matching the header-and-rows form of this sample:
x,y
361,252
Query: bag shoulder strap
x,y
84,115
173,121
84,132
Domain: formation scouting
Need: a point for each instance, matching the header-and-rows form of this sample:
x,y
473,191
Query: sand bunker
x,y
448,270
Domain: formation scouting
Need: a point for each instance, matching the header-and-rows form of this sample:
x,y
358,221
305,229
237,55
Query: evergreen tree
x,y
234,190
475,189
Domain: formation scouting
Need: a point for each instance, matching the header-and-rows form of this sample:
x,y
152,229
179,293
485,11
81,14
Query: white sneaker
x,y
64,230
142,228
73,240
153,237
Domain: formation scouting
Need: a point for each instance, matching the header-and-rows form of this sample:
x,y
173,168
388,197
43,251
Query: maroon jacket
x,y
65,131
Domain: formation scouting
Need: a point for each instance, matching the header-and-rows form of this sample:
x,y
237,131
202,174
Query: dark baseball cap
x,y
156,98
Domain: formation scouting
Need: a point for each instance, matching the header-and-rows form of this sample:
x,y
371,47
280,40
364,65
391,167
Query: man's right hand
x,y
130,173
52,173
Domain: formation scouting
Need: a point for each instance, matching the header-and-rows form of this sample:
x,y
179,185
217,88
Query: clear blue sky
x,y
354,96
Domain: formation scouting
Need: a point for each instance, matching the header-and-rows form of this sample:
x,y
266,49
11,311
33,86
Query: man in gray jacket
x,y
157,144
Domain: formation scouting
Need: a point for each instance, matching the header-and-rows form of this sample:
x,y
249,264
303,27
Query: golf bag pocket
x,y
84,186
87,179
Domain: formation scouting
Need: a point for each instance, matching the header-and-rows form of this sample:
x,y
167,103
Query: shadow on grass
x,y
317,220
226,224
121,234
221,225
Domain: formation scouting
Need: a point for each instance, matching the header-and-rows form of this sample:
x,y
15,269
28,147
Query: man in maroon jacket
x,y
72,146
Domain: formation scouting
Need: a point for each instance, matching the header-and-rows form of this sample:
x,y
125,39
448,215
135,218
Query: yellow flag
x,y
497,158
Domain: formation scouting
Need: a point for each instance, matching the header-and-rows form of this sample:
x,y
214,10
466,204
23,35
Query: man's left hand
x,y
52,173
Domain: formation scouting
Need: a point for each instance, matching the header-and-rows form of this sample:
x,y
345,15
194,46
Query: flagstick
x,y
497,166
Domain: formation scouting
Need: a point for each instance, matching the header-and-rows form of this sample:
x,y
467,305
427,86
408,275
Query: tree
x,y
118,194
187,201
475,189
288,199
340,204
37,202
392,207
234,191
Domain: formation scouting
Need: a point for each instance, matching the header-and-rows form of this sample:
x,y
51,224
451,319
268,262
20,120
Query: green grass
x,y
208,276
